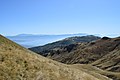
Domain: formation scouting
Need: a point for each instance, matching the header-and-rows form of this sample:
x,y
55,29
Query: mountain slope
x,y
43,50
18,63
102,50
103,53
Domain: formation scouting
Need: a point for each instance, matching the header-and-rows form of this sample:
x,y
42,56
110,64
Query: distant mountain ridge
x,y
24,35
77,34
31,40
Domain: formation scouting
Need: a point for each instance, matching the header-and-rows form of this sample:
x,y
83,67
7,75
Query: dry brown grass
x,y
103,53
18,63
94,70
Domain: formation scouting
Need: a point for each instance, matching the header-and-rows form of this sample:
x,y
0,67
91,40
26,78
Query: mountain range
x,y
31,40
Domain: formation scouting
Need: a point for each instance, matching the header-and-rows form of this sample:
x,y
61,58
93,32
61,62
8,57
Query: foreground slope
x,y
18,63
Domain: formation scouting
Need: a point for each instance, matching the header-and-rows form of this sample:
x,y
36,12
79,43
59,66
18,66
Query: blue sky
x,y
59,17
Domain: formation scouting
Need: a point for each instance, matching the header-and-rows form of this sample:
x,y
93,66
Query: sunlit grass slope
x,y
18,63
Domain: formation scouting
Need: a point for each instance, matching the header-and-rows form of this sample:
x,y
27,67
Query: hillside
x,y
18,63
103,53
102,50
44,50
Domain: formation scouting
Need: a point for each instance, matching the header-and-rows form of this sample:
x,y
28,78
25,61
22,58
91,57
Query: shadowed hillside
x,y
18,63
44,50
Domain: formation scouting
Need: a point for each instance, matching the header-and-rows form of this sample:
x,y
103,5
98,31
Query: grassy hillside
x,y
94,70
101,50
18,63
103,53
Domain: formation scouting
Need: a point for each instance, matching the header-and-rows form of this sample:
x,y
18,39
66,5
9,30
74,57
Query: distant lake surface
x,y
38,40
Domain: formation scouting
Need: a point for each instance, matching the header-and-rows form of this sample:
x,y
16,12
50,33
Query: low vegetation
x,y
43,50
103,54
18,63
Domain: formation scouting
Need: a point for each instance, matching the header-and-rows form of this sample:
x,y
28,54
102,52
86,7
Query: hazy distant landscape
x,y
29,40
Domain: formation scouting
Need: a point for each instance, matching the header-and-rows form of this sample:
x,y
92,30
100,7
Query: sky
x,y
60,17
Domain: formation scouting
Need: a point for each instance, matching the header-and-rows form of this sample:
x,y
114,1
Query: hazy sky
x,y
59,16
